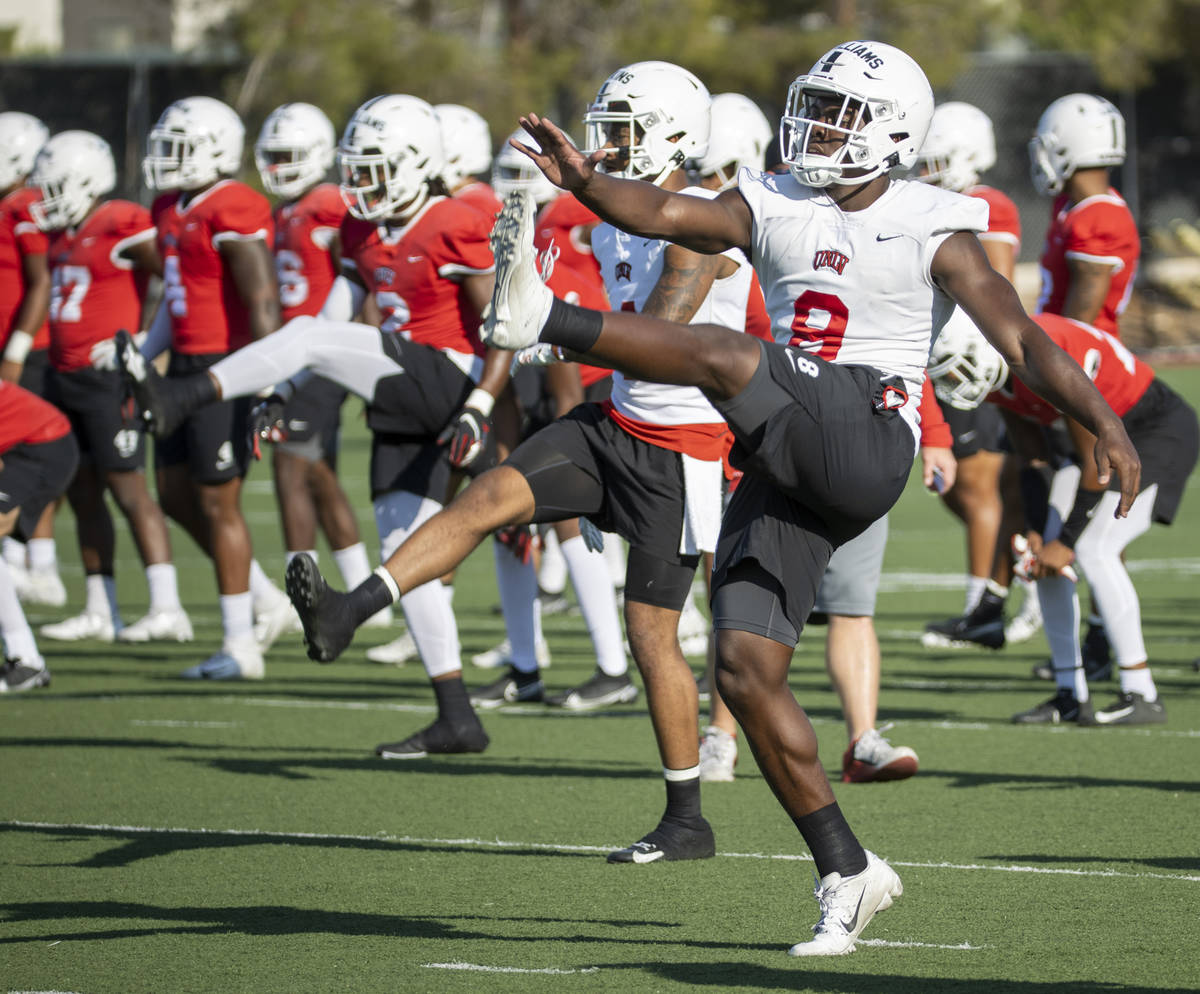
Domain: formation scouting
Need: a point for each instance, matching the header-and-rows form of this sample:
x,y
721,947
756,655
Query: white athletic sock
x,y
237,617
1060,609
353,563
598,604
518,596
15,553
614,557
264,593
18,636
976,585
43,554
102,597
1139,681
552,574
163,583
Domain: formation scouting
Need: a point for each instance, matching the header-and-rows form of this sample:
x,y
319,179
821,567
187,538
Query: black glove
x,y
266,424
467,435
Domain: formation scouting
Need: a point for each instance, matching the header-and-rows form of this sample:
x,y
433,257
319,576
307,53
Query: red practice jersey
x,y
1119,375
95,291
1004,220
1098,229
415,272
563,221
19,237
570,286
482,197
207,315
27,419
305,231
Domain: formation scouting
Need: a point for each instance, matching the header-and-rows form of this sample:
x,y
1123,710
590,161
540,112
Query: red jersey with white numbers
x,y
27,419
415,272
482,197
19,237
1004,220
1119,375
305,231
95,291
207,315
566,222
1100,230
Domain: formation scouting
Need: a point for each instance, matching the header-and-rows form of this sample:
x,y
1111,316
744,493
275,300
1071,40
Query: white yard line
x,y
482,968
165,723
502,844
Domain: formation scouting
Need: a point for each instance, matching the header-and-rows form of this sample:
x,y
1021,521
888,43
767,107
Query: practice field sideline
x,y
166,836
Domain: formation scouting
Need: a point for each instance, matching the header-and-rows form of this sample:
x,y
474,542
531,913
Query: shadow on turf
x,y
133,846
1162,862
1034,781
799,973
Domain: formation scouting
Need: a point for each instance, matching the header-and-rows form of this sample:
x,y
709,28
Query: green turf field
x,y
163,836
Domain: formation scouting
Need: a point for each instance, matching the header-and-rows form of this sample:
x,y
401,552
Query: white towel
x,y
701,505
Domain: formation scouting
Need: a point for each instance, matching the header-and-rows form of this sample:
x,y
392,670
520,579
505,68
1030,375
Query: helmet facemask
x,y
375,185
65,202
857,125
636,151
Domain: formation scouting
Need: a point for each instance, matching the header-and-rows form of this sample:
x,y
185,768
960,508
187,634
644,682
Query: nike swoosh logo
x,y
647,857
886,238
852,922
415,258
1107,717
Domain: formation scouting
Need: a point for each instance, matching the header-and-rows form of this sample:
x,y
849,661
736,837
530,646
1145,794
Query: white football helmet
x,y
1078,131
466,141
21,136
294,150
959,148
195,142
513,170
389,154
739,136
963,365
868,100
656,114
73,170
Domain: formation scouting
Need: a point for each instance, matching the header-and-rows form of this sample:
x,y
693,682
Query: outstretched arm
x,y
962,269
636,206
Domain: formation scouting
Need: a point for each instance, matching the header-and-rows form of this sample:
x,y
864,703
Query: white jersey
x,y
631,266
854,287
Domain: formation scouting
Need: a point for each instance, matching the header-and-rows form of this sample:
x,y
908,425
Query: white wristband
x,y
19,344
481,400
389,581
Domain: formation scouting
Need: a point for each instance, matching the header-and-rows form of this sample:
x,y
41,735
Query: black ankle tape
x,y
574,328
369,598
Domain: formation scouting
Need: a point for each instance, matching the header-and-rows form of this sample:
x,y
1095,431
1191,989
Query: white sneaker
x,y
394,653
245,663
871,758
520,302
501,655
718,755
847,905
161,625
82,626
274,621
380,619
1028,621
45,587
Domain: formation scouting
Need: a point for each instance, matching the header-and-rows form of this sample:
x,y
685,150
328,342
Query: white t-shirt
x,y
631,266
855,286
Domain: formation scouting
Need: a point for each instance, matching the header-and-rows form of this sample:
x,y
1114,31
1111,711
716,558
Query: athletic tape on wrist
x,y
19,344
481,400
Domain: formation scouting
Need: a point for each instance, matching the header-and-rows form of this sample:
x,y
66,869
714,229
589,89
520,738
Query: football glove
x,y
265,423
519,540
541,354
1024,561
466,436
104,353
592,536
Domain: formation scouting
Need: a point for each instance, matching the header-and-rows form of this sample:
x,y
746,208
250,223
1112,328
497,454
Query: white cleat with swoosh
x,y
847,905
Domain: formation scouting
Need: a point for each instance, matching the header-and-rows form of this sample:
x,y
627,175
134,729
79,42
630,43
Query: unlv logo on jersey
x,y
830,259
624,271
384,275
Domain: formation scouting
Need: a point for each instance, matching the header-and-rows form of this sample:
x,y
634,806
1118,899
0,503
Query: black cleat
x,y
1130,709
1060,709
598,691
323,612
670,842
16,676
515,687
984,626
441,737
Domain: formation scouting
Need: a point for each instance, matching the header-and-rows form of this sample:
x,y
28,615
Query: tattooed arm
x,y
685,281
